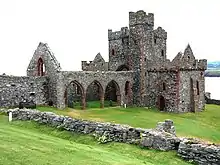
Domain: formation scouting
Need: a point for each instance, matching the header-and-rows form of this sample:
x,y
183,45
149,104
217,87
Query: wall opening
x,y
40,67
128,93
74,95
112,93
162,103
95,95
164,86
197,87
192,101
123,68
113,52
162,53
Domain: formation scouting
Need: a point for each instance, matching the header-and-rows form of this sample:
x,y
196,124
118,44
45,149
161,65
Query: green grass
x,y
28,143
204,125
94,104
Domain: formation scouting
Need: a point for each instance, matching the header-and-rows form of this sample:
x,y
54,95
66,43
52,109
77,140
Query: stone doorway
x,y
162,103
112,93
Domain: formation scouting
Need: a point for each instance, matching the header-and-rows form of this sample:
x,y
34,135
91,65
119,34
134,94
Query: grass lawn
x,y
204,125
28,143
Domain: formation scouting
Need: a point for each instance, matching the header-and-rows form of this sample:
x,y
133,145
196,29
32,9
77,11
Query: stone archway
x,y
75,95
112,92
123,68
95,92
161,103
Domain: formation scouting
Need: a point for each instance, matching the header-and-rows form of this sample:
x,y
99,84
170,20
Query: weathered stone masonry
x,y
138,72
161,138
14,90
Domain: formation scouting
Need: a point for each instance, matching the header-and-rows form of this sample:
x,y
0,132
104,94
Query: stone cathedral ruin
x,y
138,73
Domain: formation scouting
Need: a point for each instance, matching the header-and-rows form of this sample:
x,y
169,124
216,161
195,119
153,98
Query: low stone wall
x,y
212,101
161,138
202,154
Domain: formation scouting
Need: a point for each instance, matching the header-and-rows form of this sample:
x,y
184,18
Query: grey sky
x,y
77,30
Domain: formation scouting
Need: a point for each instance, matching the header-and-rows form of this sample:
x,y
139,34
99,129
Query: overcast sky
x,y
78,30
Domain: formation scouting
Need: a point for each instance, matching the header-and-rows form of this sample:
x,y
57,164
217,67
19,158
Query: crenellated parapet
x,y
116,35
140,18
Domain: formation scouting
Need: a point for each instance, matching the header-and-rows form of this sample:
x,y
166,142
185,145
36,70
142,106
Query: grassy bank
x,y
204,125
27,143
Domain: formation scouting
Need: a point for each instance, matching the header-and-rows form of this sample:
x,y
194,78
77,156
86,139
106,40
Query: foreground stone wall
x,y
161,138
203,154
14,90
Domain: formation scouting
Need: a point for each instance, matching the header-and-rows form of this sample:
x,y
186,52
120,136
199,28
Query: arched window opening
x,y
201,74
113,52
162,53
164,86
40,67
155,40
197,87
123,68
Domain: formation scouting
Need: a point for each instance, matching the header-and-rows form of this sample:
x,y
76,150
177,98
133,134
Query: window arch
x,y
40,67
113,52
164,86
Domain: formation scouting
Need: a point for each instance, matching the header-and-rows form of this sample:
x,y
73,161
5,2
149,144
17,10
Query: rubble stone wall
x,y
161,138
202,154
14,90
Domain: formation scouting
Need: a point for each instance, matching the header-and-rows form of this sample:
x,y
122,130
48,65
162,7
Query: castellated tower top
x,y
140,18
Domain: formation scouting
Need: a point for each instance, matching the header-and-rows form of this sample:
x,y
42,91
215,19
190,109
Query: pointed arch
x,y
123,68
74,94
40,67
112,92
95,92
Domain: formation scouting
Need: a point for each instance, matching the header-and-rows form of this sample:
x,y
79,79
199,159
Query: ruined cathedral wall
x,y
14,90
94,66
118,48
187,95
162,84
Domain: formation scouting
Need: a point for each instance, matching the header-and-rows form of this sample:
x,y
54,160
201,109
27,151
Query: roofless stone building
x,y
138,72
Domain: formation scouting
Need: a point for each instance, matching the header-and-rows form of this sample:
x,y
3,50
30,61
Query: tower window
x,y
197,87
155,40
162,53
164,86
113,52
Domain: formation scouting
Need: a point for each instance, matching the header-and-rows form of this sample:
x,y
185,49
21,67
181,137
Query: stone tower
x,y
119,49
141,48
